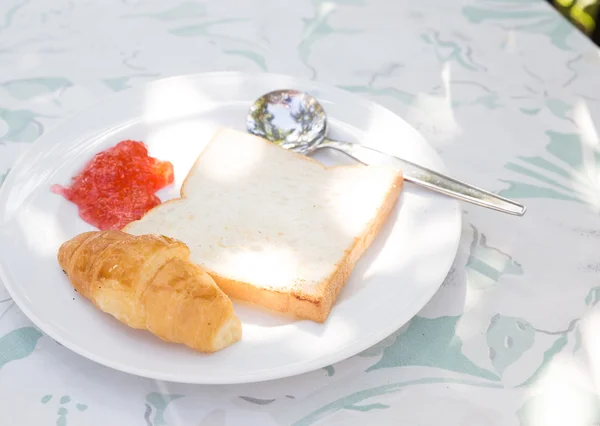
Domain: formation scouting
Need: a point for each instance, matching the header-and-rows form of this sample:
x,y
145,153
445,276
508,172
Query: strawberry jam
x,y
118,185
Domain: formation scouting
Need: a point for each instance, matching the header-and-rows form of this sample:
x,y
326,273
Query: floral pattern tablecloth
x,y
507,91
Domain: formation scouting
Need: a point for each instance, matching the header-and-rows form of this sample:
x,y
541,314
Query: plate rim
x,y
260,375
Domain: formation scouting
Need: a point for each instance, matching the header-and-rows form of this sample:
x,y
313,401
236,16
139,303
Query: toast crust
x,y
315,306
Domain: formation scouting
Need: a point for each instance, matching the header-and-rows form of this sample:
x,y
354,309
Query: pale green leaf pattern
x,y
3,177
18,344
124,82
373,89
201,29
25,89
158,402
329,370
10,13
557,107
258,59
593,296
490,101
530,16
486,265
204,29
391,92
530,111
257,401
532,98
431,343
352,401
23,125
450,51
378,348
318,27
477,94
556,348
63,410
577,337
563,174
508,338
117,83
535,98
62,416
367,407
183,10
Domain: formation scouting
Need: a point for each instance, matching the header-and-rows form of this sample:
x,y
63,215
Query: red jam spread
x,y
118,185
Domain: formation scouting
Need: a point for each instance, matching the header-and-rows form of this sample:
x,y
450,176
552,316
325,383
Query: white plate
x,y
391,283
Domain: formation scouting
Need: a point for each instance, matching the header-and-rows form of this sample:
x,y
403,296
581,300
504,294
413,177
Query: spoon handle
x,y
428,178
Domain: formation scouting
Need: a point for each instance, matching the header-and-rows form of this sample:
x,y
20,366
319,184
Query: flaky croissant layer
x,y
148,282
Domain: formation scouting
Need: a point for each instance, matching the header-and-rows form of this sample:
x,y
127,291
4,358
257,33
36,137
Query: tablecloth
x,y
508,93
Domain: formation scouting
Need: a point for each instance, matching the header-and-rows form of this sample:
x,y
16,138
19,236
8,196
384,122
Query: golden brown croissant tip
x,y
172,301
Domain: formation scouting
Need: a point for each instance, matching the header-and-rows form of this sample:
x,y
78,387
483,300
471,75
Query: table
x,y
508,93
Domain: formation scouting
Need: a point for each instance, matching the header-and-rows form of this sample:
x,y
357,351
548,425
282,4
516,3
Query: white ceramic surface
x,y
391,283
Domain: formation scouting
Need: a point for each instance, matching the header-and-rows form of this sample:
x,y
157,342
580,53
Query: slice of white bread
x,y
273,227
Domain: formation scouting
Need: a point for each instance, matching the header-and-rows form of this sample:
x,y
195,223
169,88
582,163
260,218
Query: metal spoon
x,y
296,121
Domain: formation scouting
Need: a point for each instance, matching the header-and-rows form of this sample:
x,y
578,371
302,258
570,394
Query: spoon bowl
x,y
292,119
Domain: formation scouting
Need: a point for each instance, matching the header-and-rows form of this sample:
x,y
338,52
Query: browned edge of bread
x,y
309,306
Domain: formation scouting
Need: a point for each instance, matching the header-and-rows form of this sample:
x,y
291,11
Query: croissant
x,y
147,282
